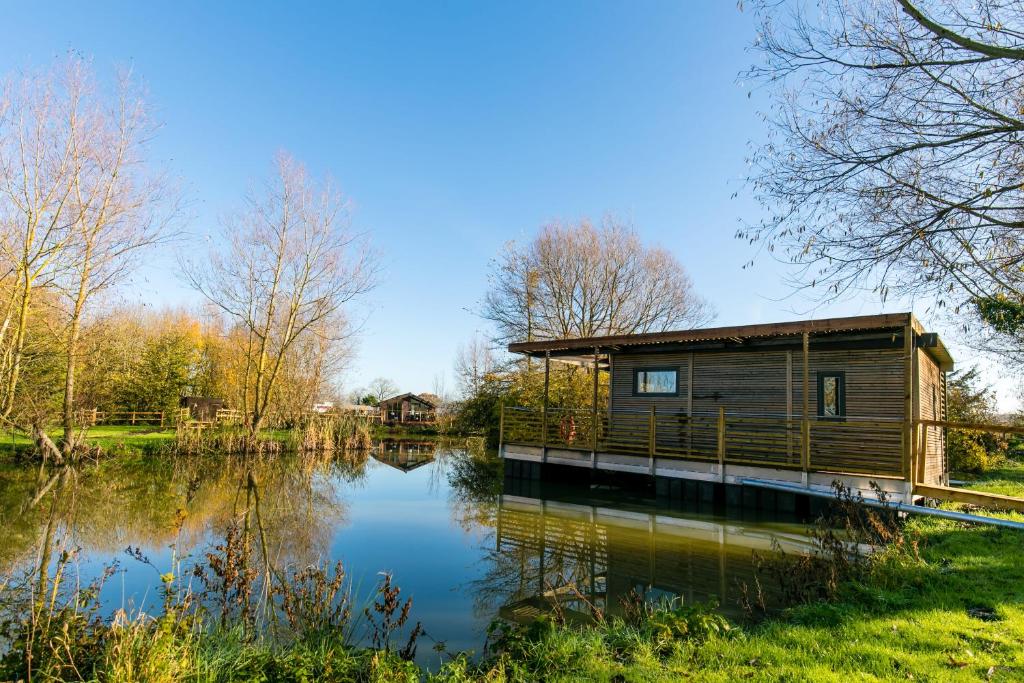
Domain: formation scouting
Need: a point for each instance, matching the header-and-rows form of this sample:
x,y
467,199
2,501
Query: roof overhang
x,y
582,351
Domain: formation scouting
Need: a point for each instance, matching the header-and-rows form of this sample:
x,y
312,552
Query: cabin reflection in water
x,y
405,455
569,554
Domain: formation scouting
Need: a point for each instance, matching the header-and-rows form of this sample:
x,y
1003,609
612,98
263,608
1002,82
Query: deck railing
x,y
850,445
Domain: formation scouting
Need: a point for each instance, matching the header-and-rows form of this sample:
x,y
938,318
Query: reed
x,y
332,432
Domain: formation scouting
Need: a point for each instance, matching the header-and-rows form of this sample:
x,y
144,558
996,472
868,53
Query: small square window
x,y
656,382
831,395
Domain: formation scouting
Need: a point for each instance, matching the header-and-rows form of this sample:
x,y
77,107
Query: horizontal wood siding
x,y
753,384
931,393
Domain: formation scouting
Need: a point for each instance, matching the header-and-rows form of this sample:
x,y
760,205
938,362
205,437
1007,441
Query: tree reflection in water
x,y
156,504
469,543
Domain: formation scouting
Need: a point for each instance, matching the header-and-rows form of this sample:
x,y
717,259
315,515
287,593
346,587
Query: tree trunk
x,y
19,345
69,386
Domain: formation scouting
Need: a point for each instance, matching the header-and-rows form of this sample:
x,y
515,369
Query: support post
x,y
721,442
805,446
922,454
689,403
544,412
594,420
161,419
133,417
652,437
789,407
908,404
501,430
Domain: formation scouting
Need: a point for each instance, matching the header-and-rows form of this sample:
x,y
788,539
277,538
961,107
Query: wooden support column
x,y
908,404
501,430
544,411
721,443
652,437
920,442
594,420
805,445
789,407
689,403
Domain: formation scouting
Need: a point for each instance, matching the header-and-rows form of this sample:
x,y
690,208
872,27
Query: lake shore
x,y
947,605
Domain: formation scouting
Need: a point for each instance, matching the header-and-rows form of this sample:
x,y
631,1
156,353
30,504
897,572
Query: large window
x,y
656,381
831,395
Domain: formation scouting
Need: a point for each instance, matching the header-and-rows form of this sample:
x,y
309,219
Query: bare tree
x,y
473,362
39,123
116,209
289,264
578,280
381,388
895,154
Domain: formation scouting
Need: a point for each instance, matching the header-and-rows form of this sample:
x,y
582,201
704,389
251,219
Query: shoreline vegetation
x,y
934,600
326,434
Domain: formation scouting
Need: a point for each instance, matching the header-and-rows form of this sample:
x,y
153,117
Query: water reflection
x,y
405,455
549,550
465,542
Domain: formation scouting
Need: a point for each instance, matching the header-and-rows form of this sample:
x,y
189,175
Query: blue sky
x,y
452,127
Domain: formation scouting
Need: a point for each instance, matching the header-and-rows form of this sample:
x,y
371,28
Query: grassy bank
x,y
956,614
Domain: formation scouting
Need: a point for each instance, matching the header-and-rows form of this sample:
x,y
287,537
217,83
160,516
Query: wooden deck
x,y
723,447
730,449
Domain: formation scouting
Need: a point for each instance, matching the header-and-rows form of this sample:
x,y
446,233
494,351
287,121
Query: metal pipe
x,y
895,507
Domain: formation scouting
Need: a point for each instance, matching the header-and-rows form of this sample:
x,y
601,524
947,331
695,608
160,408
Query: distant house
x,y
408,408
358,409
202,408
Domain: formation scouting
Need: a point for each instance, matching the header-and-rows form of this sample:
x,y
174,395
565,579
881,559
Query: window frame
x,y
654,368
840,375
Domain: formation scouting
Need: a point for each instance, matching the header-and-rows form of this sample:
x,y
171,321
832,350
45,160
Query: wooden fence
x,y
870,447
95,417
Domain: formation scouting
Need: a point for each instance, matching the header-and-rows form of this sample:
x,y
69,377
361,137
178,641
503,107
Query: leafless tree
x,y
289,264
381,388
116,208
473,362
895,156
581,280
39,123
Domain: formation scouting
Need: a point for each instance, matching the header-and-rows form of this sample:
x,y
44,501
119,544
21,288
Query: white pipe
x,y
896,507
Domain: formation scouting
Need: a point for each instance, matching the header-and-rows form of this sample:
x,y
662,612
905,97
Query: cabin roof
x,y
581,350
409,395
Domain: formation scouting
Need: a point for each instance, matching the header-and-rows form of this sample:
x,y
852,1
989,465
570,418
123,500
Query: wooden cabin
x,y
812,398
408,409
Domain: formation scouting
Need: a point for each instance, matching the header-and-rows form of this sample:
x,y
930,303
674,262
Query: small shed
x,y
202,408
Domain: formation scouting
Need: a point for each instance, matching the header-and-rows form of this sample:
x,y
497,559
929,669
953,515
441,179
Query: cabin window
x,y
656,381
831,395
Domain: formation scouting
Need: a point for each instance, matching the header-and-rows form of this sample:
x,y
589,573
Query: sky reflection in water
x,y
466,545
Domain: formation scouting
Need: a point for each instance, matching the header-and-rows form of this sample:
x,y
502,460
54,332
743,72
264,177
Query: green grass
x,y
139,437
1007,479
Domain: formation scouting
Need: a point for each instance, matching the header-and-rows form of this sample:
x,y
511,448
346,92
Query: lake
x,y
467,544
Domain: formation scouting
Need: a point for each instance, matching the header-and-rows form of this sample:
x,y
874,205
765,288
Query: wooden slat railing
x,y
869,447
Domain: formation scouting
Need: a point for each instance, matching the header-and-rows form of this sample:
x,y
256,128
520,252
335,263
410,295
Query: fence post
x,y
544,415
161,419
95,417
721,442
501,430
652,436
805,456
133,417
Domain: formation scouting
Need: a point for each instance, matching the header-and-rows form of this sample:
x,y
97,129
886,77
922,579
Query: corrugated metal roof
x,y
885,321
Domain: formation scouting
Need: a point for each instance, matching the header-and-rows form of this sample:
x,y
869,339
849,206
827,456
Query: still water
x,y
467,544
